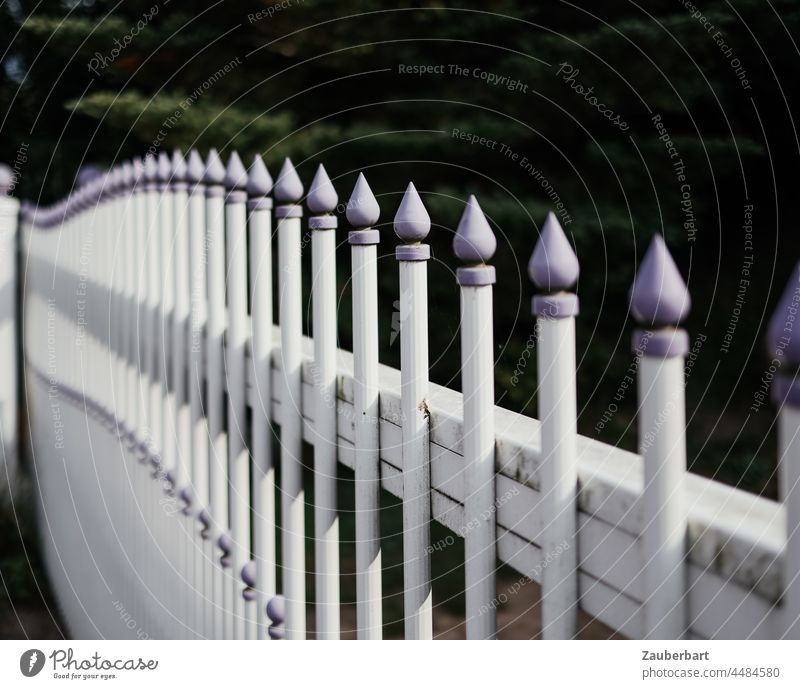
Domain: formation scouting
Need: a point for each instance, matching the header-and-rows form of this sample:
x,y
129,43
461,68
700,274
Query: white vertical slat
x,y
474,243
196,382
554,268
322,200
236,340
218,449
659,297
288,191
259,184
412,224
153,329
181,413
363,213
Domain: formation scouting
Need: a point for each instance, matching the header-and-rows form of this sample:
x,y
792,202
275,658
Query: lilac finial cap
x,y
659,295
164,167
249,573
553,266
322,197
276,609
474,241
196,169
225,543
781,335
179,168
259,181
128,177
215,171
235,175
362,207
288,187
412,222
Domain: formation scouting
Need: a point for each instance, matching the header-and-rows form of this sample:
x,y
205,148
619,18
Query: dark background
x,y
321,82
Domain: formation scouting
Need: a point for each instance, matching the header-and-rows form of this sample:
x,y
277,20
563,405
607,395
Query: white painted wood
x,y
789,482
236,374
366,414
326,518
417,594
261,375
292,493
559,475
477,371
215,414
662,428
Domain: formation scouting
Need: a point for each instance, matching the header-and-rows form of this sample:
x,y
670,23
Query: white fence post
x,y
214,178
659,302
363,213
288,191
203,554
784,346
9,214
321,201
554,269
475,243
259,185
412,224
236,341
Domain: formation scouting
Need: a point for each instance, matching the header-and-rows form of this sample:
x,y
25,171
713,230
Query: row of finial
x,y
658,297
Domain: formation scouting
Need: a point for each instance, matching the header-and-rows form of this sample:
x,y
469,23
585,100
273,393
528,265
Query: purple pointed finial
x,y
215,171
362,207
322,197
138,171
259,181
164,167
474,241
412,222
553,266
782,335
196,169
179,168
150,169
235,174
659,295
127,175
288,187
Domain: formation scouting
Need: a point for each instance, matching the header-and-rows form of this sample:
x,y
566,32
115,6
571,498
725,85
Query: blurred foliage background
x,y
326,82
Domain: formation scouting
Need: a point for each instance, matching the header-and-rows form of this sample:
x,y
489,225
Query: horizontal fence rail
x,y
156,375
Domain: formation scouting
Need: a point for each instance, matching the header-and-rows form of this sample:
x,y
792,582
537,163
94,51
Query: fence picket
x,y
321,201
554,269
474,243
363,213
288,191
412,224
259,185
659,302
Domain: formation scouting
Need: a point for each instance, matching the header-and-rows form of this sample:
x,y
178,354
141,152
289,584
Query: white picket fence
x,y
144,346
